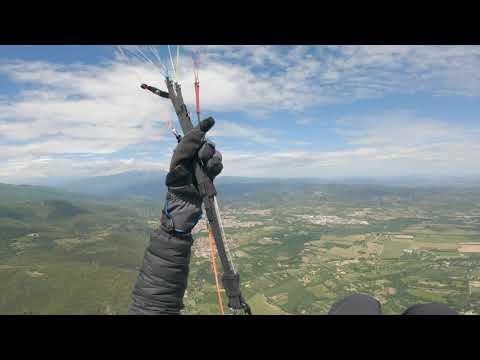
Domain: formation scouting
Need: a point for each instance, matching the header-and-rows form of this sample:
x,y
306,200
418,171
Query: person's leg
x,y
356,304
429,309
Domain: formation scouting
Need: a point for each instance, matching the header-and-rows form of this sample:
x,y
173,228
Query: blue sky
x,y
286,111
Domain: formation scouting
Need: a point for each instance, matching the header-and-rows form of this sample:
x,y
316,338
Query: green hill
x,y
62,253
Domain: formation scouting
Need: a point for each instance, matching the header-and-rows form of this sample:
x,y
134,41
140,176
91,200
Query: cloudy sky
x,y
281,111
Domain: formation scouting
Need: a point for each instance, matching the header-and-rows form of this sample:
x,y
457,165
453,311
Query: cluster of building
x,y
331,220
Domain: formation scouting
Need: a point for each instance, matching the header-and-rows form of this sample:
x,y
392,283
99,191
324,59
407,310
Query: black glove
x,y
183,206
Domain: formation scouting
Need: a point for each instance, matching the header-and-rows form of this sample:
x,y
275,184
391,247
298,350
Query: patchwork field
x,y
297,253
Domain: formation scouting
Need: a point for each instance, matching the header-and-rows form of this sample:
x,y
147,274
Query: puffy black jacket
x,y
163,277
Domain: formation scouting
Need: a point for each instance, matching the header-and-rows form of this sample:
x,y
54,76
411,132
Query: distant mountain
x,y
151,185
9,193
123,185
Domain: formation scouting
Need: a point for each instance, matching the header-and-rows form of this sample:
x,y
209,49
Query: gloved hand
x,y
183,206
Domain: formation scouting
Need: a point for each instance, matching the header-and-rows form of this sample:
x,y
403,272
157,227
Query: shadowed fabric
x,y
357,304
360,304
162,280
430,309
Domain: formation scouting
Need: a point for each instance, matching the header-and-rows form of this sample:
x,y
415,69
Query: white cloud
x,y
305,120
408,144
247,133
299,76
403,128
388,143
30,167
82,109
100,109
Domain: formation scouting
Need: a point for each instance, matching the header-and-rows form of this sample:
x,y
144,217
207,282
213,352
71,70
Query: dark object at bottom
x,y
360,304
429,309
356,304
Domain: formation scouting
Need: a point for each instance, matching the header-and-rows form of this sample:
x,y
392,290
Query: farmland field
x,y
296,253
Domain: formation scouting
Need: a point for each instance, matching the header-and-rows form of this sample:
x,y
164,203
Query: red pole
x,y
197,95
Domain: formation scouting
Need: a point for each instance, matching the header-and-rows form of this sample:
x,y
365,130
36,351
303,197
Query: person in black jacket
x,y
162,279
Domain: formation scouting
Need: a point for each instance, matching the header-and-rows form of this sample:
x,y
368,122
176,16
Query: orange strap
x,y
214,269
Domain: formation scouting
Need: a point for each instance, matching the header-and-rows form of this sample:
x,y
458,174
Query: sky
x,y
280,111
